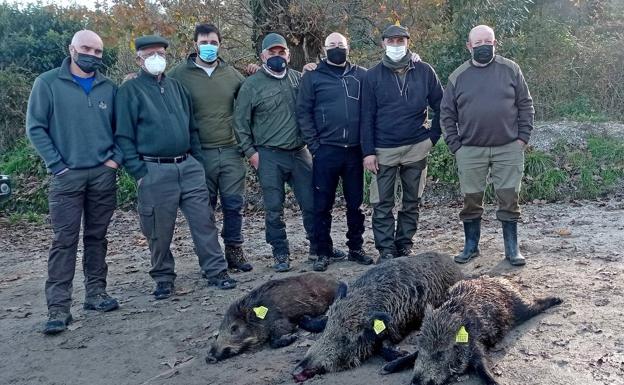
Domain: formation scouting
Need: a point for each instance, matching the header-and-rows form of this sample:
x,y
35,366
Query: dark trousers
x,y
331,164
165,188
88,195
225,177
278,167
389,239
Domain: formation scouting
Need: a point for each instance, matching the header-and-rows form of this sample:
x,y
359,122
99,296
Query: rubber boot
x,y
472,234
510,236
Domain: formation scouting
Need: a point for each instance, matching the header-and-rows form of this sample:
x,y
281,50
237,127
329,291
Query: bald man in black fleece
x,y
487,115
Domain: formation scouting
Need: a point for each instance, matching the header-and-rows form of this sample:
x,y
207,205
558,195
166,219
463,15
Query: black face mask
x,y
337,55
483,54
276,64
88,63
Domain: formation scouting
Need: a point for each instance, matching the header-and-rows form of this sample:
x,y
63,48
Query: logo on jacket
x,y
102,105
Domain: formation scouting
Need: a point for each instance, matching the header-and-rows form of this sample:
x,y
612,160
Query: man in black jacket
x,y
328,114
396,138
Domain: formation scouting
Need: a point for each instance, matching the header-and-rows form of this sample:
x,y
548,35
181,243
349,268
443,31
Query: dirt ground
x,y
574,250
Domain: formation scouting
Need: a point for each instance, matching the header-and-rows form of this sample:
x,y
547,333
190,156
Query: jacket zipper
x,y
346,103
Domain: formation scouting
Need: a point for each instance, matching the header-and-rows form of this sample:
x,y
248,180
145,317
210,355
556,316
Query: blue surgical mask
x,y
208,52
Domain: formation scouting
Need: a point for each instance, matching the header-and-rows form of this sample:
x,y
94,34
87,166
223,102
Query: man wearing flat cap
x,y
159,139
396,138
266,126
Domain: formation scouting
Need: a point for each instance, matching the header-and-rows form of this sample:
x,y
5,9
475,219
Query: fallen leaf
x,y
564,232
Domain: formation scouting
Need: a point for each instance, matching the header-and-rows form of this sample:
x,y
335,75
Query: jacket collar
x,y
323,66
149,78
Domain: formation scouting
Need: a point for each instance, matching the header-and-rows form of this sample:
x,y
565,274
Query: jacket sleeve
x,y
434,98
126,116
526,112
243,110
193,127
117,153
305,112
448,118
368,114
37,126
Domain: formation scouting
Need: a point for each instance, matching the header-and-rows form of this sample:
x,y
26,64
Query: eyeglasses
x,y
334,45
161,54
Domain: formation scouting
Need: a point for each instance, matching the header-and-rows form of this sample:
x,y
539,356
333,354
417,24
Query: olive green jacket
x,y
264,112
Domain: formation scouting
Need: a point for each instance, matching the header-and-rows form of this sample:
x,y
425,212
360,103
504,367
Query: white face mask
x,y
396,53
155,64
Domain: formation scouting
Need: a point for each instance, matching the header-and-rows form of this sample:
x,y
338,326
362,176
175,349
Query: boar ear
x,y
341,292
379,322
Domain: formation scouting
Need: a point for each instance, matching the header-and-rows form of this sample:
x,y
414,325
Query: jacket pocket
x,y
269,101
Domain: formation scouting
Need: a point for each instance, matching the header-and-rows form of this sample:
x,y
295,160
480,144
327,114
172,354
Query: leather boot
x,y
235,258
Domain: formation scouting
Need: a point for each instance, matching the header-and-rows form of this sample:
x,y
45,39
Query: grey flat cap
x,y
150,40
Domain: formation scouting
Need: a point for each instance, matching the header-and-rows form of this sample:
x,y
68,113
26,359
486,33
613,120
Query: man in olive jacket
x,y
156,132
267,129
213,85
70,123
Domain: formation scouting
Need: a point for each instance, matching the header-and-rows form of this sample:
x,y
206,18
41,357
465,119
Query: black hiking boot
x,y
163,290
360,257
472,234
321,263
57,322
101,302
282,264
222,281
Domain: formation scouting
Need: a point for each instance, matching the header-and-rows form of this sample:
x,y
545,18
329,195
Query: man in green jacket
x,y
266,126
70,123
156,131
213,86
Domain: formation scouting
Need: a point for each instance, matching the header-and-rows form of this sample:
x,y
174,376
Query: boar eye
x,y
234,329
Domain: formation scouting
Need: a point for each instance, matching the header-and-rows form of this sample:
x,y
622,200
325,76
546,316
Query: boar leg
x,y
538,306
480,366
313,324
400,364
281,333
389,352
282,341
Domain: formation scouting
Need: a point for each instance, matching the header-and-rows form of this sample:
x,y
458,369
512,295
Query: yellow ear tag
x,y
261,311
397,23
462,336
378,326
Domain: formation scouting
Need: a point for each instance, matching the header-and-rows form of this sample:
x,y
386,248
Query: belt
x,y
161,159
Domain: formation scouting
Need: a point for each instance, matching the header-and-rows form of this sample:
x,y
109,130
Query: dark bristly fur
x,y
291,301
397,292
488,308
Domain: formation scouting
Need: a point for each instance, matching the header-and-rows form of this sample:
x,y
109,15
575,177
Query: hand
x,y
309,67
130,76
63,171
522,144
252,68
370,164
111,163
415,57
139,182
254,160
